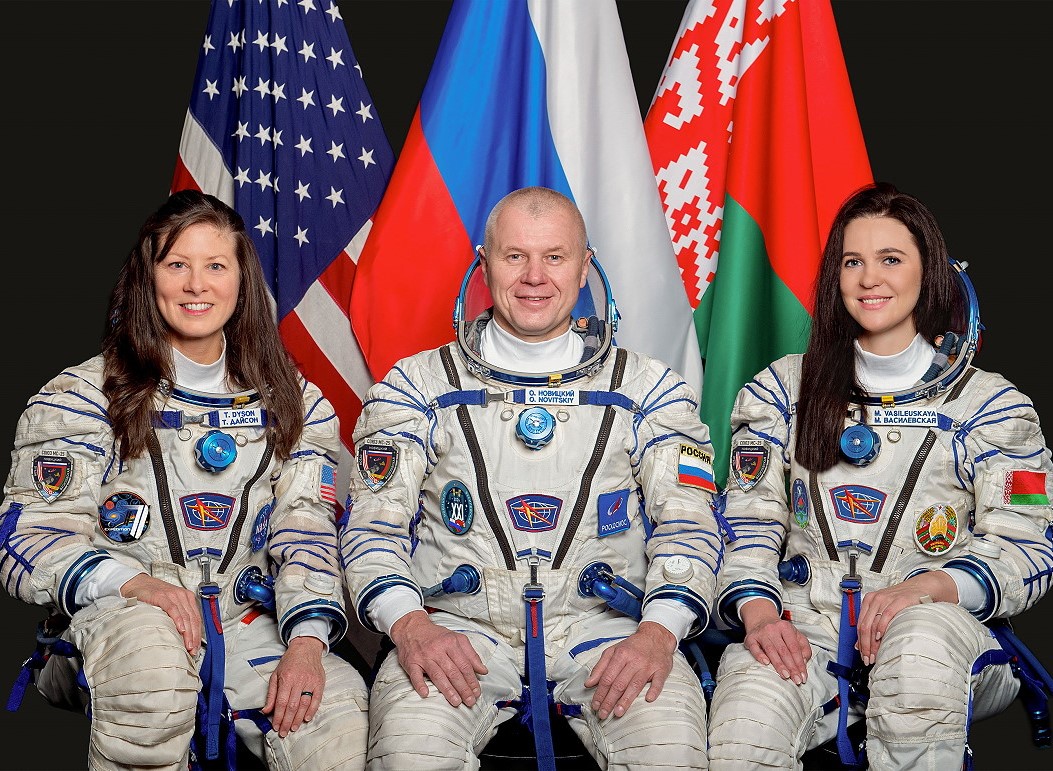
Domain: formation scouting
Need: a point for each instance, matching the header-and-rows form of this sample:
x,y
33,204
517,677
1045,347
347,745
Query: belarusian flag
x,y
1025,488
755,142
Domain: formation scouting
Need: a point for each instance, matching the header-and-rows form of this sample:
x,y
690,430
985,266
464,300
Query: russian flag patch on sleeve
x,y
696,468
1025,488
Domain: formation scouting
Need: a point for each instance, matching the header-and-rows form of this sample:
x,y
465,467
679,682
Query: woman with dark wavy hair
x,y
172,503
888,509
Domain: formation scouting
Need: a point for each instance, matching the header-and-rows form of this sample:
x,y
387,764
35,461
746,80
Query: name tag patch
x,y
612,513
556,396
240,418
904,417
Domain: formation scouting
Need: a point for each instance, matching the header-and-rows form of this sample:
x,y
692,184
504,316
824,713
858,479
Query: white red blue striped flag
x,y
281,126
525,92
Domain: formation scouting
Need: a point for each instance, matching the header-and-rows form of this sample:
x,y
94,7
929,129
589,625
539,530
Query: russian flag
x,y
521,93
695,468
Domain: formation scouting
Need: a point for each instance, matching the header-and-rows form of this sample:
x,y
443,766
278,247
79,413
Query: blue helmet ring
x,y
953,355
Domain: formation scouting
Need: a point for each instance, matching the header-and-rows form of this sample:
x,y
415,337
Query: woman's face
x,y
880,282
196,286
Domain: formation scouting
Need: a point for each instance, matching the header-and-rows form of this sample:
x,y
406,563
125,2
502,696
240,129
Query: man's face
x,y
535,269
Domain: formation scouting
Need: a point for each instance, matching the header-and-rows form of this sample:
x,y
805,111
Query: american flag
x,y
281,126
327,486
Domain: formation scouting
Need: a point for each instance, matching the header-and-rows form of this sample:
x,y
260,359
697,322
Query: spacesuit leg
x,y
921,684
668,733
143,685
336,736
407,732
759,720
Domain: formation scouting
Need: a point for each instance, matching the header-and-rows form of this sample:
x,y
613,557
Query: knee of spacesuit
x,y
336,737
920,684
142,681
408,732
757,719
667,733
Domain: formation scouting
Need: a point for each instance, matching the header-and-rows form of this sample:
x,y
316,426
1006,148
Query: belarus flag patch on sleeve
x,y
696,468
1025,488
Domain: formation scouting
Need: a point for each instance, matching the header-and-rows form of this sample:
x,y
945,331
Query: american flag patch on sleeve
x,y
327,487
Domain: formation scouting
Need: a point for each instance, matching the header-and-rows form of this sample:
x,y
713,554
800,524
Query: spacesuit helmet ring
x,y
595,318
955,348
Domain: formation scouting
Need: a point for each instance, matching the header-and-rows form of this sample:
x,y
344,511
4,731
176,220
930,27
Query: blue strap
x,y
847,660
480,398
1036,683
47,646
18,690
537,679
476,398
213,668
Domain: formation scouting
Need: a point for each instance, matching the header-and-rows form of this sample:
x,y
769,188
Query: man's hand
x,y
646,656
180,604
447,658
294,691
775,641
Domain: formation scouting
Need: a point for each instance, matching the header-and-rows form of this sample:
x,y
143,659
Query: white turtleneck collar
x,y
207,378
897,372
508,352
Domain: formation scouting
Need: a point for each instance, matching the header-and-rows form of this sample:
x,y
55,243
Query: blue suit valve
x,y
215,451
252,586
796,570
618,598
464,580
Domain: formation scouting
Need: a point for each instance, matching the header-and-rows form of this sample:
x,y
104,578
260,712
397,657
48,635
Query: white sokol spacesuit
x,y
534,483
954,475
252,528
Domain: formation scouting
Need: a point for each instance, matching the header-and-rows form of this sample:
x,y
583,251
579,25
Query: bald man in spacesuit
x,y
507,483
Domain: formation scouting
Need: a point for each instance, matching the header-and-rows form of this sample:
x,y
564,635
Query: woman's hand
x,y
295,690
180,604
879,607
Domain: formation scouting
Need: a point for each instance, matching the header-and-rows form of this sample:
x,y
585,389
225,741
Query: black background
x,y
952,98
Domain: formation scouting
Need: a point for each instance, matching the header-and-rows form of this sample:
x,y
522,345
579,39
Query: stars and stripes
x,y
281,126
327,485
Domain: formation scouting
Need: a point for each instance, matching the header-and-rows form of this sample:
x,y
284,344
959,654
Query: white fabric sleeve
x,y
105,580
971,593
740,603
391,605
313,627
674,616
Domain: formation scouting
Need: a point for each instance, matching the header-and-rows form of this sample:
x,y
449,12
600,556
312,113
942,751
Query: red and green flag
x,y
1025,488
755,142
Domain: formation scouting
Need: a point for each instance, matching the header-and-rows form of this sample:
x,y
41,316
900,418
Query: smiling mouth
x,y
196,306
874,300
